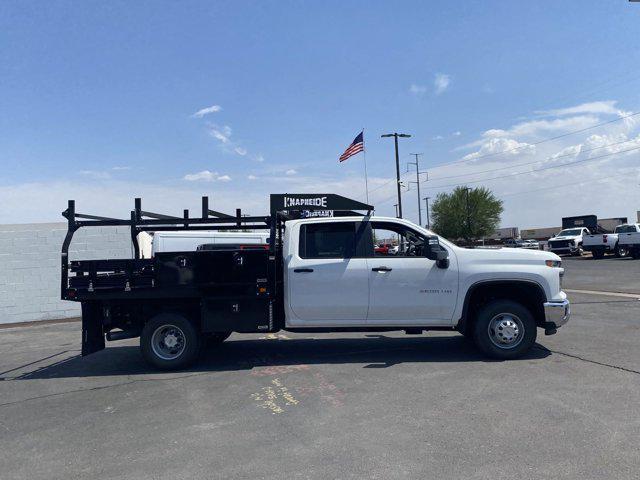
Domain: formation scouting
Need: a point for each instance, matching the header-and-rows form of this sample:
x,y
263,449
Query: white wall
x,y
30,266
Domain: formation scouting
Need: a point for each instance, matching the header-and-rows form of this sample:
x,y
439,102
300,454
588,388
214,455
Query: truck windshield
x,y
570,231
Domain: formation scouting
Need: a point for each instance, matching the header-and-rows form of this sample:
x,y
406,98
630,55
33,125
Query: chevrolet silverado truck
x,y
319,274
602,243
629,239
568,241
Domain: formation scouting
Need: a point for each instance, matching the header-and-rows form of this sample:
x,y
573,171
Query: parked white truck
x,y
584,228
602,243
319,275
569,240
629,239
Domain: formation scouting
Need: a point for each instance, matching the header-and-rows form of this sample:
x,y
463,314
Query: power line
x,y
538,169
552,157
486,155
584,182
553,187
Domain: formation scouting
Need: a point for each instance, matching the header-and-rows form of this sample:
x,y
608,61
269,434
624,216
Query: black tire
x,y
174,327
621,252
217,338
597,254
499,311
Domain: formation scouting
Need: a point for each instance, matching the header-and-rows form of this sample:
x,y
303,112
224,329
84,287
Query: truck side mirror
x,y
435,252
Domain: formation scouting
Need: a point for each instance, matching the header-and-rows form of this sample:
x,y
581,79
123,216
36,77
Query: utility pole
x,y
395,136
396,205
417,182
426,200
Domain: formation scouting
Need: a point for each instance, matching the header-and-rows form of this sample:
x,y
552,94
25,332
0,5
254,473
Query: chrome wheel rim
x,y
506,330
168,342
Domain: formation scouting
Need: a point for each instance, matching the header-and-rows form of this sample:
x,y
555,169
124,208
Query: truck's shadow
x,y
374,351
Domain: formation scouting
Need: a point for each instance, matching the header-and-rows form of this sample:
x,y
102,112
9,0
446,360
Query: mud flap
x,y
92,331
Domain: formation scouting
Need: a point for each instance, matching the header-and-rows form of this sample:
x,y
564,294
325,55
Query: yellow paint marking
x,y
275,397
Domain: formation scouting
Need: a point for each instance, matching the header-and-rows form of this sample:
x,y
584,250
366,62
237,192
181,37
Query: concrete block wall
x,y
30,266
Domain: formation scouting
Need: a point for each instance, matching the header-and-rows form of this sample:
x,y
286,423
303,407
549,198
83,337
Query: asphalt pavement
x,y
336,406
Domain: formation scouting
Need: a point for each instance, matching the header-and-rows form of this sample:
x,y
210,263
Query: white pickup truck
x,y
602,243
569,240
629,239
320,275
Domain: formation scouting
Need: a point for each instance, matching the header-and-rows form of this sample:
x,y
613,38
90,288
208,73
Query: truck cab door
x,y
326,282
407,288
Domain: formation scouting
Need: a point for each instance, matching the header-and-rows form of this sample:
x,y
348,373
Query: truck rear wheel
x,y
169,341
504,329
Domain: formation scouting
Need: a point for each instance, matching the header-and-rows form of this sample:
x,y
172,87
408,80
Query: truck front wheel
x,y
169,341
504,329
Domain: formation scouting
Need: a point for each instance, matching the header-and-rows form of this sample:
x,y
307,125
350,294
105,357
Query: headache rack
x,y
138,273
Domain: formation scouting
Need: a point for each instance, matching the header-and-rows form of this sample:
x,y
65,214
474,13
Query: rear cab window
x,y
327,240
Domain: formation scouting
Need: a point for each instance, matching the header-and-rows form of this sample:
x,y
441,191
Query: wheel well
x,y
529,294
133,315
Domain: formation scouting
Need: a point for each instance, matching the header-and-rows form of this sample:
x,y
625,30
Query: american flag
x,y
356,146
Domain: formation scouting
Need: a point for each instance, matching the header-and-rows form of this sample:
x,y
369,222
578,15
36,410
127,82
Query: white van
x,y
189,240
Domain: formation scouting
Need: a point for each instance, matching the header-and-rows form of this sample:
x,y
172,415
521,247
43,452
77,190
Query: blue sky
x,y
97,102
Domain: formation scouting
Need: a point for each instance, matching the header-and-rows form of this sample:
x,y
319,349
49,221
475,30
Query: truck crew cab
x,y
320,273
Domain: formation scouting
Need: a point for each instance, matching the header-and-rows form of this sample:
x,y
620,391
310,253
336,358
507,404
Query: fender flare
x,y
462,323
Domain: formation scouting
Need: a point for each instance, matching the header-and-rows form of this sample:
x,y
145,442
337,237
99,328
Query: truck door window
x,y
328,240
396,240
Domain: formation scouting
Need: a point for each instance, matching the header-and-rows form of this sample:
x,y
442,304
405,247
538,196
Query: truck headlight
x,y
553,263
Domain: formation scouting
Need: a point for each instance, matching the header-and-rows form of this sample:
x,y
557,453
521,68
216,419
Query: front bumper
x,y
556,313
568,248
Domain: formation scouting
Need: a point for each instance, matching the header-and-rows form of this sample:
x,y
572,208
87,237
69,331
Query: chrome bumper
x,y
557,313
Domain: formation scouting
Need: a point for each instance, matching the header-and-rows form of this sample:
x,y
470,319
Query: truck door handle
x,y
381,269
303,270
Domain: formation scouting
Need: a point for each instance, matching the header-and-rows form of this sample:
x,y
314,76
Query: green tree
x,y
466,213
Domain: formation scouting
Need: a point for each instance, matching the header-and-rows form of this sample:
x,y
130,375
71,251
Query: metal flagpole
x,y
364,156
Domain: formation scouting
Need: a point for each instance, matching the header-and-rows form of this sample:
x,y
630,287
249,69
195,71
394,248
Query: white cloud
x,y
206,111
457,133
536,128
252,177
206,176
508,146
223,134
441,82
438,137
121,167
499,153
291,171
417,89
259,158
605,107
